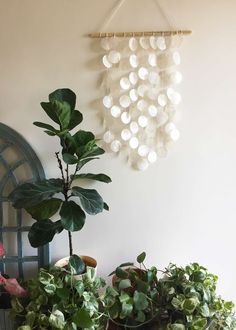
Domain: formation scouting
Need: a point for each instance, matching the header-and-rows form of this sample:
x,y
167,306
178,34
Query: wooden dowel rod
x,y
139,34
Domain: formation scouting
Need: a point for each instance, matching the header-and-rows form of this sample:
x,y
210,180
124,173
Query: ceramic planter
x,y
89,261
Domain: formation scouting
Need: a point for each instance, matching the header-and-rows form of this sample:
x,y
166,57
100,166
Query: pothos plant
x,y
57,300
43,199
182,298
131,303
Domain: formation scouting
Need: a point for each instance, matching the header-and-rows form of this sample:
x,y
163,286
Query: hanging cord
x,y
161,10
169,20
112,14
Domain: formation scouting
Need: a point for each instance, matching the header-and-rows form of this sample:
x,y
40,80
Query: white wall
x,y
183,208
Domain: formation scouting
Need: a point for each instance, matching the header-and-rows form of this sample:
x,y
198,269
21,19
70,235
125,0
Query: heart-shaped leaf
x,y
76,265
30,194
45,210
82,319
41,233
90,199
63,95
72,216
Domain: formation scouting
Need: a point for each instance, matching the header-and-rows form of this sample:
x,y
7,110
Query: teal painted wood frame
x,y
11,139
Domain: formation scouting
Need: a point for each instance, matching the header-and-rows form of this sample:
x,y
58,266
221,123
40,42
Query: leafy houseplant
x,y
58,301
45,198
187,299
131,302
181,299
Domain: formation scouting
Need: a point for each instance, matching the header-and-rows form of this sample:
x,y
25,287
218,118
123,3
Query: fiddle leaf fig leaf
x,y
69,159
82,162
41,233
76,119
63,112
46,126
82,319
30,194
64,95
72,216
50,111
83,137
90,199
45,210
98,177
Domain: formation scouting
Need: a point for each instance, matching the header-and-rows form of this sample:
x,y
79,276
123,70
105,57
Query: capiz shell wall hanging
x,y
140,83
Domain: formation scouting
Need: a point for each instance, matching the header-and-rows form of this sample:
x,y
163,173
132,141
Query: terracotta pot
x,y
89,261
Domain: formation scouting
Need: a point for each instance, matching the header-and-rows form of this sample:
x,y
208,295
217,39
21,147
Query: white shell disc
x,y
152,59
134,127
114,56
143,73
105,43
176,58
153,42
125,134
174,134
143,121
142,164
115,111
107,101
133,78
152,157
153,77
133,142
175,98
169,127
144,42
143,150
108,137
105,62
153,93
133,94
133,44
125,117
142,89
133,60
115,146
161,43
152,110
162,99
124,83
176,77
125,101
142,105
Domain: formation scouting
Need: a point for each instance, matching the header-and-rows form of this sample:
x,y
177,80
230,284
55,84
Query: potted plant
x,y
182,298
130,303
59,301
187,300
46,198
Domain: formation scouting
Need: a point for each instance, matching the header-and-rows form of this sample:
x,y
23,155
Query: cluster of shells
x,y
140,98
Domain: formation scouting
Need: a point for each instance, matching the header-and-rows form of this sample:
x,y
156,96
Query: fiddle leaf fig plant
x,y
46,198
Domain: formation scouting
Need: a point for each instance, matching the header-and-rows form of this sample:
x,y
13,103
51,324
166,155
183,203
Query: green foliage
x,y
77,149
188,296
131,302
58,301
181,299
